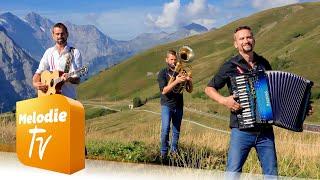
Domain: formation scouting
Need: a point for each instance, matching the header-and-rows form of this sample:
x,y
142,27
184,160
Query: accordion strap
x,y
240,67
243,69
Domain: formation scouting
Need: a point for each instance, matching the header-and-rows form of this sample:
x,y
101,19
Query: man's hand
x,y
189,85
181,78
64,77
188,78
72,80
230,103
310,110
40,86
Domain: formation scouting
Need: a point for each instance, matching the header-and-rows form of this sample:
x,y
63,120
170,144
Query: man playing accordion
x,y
259,137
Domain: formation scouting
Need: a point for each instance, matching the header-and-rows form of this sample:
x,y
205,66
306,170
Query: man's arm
x,y
229,101
169,87
37,84
72,80
43,65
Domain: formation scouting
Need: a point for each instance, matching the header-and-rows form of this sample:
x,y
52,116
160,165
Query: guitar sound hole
x,y
51,83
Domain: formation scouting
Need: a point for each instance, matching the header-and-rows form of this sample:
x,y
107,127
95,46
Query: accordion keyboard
x,y
246,115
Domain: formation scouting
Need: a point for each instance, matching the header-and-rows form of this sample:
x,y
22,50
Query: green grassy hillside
x,y
133,136
289,37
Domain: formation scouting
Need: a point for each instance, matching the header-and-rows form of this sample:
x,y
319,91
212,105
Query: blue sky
x,y
125,19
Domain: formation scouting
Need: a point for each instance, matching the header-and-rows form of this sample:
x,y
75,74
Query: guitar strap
x,y
68,60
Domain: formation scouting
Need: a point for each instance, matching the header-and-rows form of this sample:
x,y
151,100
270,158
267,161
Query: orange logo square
x,y
50,133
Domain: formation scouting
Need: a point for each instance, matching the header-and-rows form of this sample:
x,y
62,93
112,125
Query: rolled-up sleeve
x,y
44,64
220,79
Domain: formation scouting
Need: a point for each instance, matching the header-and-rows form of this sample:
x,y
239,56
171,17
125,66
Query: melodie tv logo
x,y
50,133
35,118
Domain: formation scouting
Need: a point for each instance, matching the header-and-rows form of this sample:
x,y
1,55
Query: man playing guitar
x,y
60,57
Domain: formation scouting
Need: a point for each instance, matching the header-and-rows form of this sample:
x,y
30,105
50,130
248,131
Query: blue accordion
x,y
272,97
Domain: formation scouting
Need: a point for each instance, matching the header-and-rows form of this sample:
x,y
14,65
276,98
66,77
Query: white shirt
x,y
52,61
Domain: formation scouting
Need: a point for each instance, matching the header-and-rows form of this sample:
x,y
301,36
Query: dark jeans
x,y
241,143
168,115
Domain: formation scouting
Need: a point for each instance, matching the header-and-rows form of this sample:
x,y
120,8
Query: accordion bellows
x,y
272,97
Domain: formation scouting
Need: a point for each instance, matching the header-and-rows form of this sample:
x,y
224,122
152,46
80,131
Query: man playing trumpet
x,y
171,102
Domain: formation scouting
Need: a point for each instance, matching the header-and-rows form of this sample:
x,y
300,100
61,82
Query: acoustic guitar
x,y
54,81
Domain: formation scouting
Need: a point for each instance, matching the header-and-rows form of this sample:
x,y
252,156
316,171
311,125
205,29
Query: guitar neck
x,y
59,79
71,74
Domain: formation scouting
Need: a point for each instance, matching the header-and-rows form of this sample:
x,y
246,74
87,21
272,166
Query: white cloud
x,y
168,16
200,12
196,7
174,14
200,9
266,4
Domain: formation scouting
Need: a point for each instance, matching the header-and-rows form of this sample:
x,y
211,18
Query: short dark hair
x,y
241,28
62,26
172,52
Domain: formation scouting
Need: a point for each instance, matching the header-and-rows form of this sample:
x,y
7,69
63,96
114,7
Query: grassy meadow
x,y
134,135
7,132
288,36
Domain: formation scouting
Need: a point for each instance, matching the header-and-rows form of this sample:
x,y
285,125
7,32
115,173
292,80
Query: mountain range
x,y
16,71
32,36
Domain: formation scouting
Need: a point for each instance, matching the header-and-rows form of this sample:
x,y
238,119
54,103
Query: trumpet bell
x,y
186,54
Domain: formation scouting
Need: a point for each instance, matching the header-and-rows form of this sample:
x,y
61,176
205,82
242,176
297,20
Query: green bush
x,y
189,156
129,152
97,112
297,34
137,102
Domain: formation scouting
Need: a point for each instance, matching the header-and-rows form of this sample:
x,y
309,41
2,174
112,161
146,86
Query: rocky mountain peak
x,y
37,21
195,27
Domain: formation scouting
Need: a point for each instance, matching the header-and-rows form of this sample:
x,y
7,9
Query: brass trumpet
x,y
185,55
